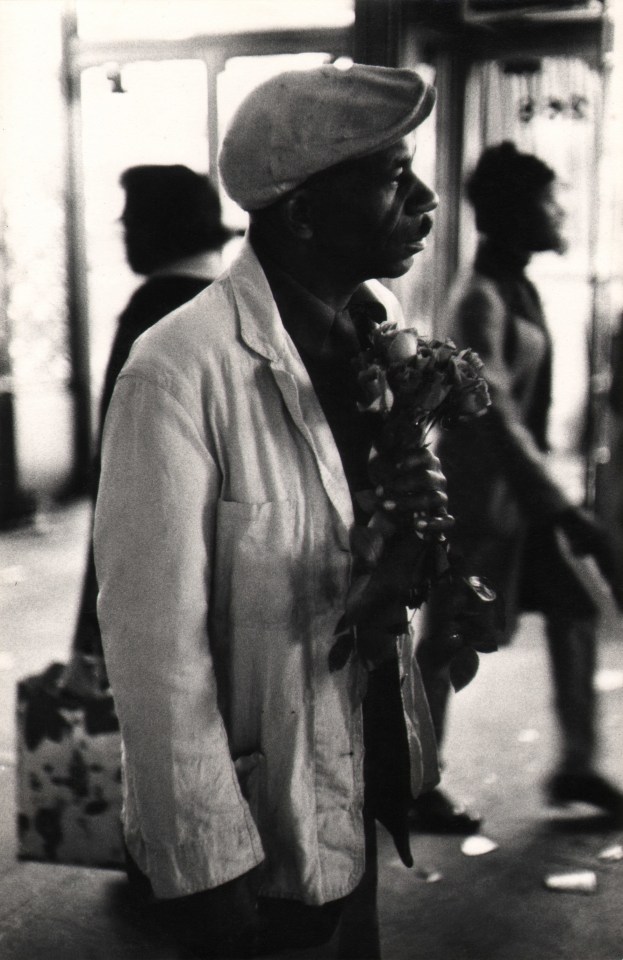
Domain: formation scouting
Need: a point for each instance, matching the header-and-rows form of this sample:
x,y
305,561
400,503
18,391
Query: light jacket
x,y
222,551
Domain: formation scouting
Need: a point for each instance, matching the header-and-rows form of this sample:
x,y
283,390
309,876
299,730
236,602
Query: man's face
x,y
543,222
371,216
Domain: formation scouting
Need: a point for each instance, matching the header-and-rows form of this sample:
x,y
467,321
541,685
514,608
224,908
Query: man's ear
x,y
297,213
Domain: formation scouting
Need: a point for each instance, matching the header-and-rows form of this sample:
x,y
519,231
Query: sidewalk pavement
x,y
450,906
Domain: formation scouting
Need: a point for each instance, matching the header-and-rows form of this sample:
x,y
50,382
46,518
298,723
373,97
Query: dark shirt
x,y
507,269
327,343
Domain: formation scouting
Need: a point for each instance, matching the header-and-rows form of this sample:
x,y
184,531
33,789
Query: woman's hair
x,y
170,212
503,183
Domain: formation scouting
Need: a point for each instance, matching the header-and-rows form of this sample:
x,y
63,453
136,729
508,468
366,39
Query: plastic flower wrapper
x,y
409,385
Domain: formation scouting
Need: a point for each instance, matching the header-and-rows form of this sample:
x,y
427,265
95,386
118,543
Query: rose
x,y
382,337
444,350
473,402
470,395
403,345
377,397
419,384
438,389
469,360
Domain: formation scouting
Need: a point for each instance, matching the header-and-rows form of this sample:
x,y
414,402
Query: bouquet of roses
x,y
408,386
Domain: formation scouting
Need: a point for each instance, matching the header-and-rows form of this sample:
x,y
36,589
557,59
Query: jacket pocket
x,y
249,770
259,566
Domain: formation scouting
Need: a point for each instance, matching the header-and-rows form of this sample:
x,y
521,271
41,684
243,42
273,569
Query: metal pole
x,y
77,299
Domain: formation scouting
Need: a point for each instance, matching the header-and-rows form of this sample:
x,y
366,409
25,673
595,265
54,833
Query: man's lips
x,y
414,238
424,228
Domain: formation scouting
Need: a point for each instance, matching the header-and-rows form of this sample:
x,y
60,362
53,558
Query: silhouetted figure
x,y
508,506
173,236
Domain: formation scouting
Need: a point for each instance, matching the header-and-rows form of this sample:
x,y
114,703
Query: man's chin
x,y
397,268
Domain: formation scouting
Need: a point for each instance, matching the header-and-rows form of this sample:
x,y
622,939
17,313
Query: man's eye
x,y
402,175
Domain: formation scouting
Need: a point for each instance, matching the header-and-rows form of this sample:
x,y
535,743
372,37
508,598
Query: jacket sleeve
x,y
479,323
187,824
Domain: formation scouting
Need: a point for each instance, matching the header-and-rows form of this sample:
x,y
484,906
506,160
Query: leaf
x,y
463,668
355,598
484,642
476,846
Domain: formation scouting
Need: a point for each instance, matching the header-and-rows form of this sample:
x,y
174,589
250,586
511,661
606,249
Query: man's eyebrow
x,y
400,161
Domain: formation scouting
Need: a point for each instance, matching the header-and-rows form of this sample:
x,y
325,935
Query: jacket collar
x,y
260,324
261,327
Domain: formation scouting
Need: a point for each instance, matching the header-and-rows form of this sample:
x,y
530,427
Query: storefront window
x,y
178,19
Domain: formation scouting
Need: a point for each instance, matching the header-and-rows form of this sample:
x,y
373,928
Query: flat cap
x,y
303,121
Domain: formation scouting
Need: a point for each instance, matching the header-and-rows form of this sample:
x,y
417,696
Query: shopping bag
x,y
68,772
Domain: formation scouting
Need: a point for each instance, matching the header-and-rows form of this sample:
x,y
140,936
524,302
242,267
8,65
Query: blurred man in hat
x,y
232,450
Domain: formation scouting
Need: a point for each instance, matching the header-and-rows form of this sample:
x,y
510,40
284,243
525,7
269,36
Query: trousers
x,y
546,584
234,921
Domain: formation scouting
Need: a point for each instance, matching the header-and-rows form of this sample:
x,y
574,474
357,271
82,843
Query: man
x,y
510,509
232,451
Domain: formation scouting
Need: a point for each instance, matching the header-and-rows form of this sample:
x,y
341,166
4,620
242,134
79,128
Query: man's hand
x,y
415,484
588,536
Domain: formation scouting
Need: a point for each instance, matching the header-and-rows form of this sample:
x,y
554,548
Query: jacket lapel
x,y
263,332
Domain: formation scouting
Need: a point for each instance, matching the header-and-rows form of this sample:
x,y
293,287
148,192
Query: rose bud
x,y
403,346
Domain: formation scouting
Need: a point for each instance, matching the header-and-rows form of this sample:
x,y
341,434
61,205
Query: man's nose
x,y
422,198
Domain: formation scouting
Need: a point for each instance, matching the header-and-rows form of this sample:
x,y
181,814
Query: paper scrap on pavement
x,y
605,681
476,845
612,853
574,881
